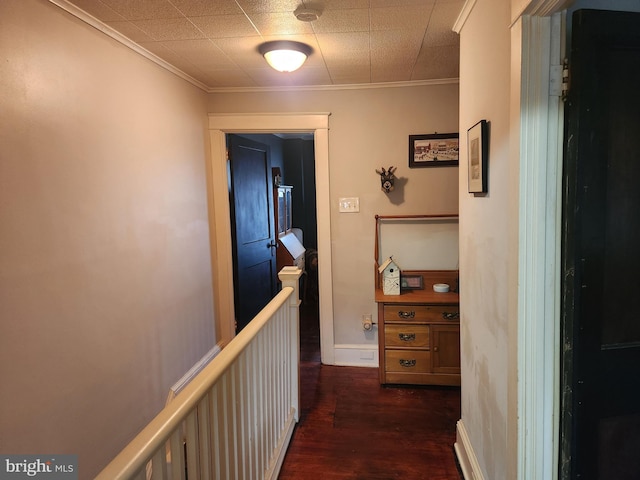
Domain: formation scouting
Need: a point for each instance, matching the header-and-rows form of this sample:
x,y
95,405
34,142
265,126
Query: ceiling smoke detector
x,y
306,14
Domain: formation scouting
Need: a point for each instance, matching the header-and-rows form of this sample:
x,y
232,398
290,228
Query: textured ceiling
x,y
353,41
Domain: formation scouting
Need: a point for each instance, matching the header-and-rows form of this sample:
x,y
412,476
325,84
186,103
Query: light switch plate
x,y
349,204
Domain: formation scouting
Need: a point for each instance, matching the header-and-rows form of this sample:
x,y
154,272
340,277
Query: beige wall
x,y
485,252
105,274
368,129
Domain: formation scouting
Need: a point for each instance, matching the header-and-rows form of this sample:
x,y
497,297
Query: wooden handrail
x,y
150,442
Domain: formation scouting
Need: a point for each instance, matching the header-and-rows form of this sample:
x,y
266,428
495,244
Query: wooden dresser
x,y
419,333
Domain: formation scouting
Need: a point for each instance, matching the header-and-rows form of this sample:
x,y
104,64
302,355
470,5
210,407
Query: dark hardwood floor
x,y
352,428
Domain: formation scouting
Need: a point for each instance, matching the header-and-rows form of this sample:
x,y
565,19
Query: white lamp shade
x,y
285,60
285,56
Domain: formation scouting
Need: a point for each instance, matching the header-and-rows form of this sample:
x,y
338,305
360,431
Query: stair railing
x,y
235,419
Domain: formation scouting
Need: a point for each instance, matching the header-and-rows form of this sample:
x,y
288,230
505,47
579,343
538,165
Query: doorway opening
x,y
284,219
222,263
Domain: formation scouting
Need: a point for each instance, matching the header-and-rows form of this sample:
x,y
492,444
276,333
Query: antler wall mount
x,y
387,179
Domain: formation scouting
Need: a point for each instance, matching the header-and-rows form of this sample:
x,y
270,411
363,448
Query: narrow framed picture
x,y
478,153
435,150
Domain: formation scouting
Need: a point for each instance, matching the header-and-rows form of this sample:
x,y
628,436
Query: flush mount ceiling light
x,y
285,55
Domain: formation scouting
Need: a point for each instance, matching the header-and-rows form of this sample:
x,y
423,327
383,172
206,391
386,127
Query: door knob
x,y
272,245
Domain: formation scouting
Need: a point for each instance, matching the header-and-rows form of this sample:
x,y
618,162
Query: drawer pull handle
x,y
402,314
407,363
451,315
407,337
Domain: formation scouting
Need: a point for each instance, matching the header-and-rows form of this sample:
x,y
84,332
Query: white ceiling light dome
x,y
285,55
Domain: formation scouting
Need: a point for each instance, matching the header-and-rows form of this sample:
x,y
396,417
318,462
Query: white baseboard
x,y
466,456
273,470
193,371
355,355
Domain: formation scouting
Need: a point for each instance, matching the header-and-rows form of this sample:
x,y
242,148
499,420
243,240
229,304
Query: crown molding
x,y
464,15
545,8
539,8
118,37
353,86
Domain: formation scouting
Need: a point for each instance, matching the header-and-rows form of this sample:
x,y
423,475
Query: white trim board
x,y
273,470
193,371
466,456
221,251
356,355
463,16
120,38
539,115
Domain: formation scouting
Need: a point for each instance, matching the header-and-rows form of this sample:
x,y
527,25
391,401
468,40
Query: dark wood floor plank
x,y
352,428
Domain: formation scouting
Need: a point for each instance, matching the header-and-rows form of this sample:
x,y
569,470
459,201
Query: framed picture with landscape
x,y
478,152
433,150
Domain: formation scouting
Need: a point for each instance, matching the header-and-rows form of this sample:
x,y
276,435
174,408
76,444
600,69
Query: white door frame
x,y
536,145
220,221
537,127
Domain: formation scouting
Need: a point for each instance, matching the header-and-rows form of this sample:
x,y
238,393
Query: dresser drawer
x,y
407,361
406,335
421,313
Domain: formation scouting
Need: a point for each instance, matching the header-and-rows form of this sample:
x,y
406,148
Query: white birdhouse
x,y
390,277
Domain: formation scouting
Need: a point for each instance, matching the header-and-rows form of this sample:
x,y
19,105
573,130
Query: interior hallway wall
x,y
369,129
105,269
485,251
